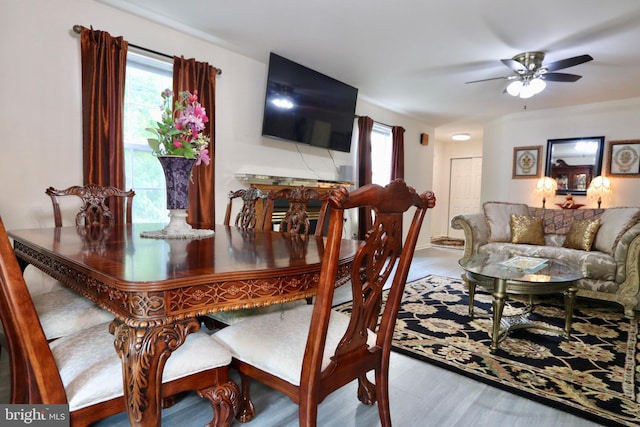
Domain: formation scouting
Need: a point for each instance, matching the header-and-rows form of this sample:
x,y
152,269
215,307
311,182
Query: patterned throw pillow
x,y
527,229
581,234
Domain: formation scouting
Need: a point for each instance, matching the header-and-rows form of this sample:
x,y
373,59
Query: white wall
x,y
616,120
41,123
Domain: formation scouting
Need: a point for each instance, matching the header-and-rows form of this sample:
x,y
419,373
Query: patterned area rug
x,y
593,375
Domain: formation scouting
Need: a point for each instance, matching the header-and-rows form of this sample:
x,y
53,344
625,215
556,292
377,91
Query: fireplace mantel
x,y
267,183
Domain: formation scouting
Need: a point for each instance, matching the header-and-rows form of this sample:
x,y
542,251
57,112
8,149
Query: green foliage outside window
x,y
145,80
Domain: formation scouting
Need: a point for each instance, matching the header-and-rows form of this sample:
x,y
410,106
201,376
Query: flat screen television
x,y
307,107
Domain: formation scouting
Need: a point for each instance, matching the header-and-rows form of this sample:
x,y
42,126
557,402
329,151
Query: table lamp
x,y
599,188
546,187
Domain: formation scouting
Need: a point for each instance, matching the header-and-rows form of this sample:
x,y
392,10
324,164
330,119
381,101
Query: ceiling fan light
x,y
537,85
514,88
526,91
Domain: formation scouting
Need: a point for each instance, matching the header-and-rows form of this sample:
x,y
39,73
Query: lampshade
x,y
546,187
599,188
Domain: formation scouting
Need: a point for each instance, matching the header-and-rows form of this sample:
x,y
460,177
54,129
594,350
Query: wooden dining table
x,y
159,287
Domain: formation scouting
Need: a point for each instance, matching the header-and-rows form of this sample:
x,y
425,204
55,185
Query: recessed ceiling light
x,y
461,137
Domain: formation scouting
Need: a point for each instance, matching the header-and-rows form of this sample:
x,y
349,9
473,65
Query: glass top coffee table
x,y
522,277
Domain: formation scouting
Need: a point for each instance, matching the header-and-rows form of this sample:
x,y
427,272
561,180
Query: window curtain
x,y
190,75
104,62
397,152
365,126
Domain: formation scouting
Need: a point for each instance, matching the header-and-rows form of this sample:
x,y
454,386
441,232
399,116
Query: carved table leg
x,y
143,352
224,400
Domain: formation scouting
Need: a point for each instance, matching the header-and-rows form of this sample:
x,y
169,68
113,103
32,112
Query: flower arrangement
x,y
180,131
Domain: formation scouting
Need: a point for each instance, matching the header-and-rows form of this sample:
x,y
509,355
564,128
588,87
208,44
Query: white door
x,y
464,189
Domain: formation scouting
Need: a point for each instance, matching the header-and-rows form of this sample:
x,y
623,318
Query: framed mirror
x,y
574,162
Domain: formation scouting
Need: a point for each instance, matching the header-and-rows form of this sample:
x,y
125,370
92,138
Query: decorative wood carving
x,y
144,353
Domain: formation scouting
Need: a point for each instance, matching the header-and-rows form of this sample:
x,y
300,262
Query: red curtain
x,y
365,125
397,152
104,62
190,75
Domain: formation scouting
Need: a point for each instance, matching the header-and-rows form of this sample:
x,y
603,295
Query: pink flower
x,y
181,131
204,157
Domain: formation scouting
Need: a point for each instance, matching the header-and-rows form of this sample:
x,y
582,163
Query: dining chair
x,y
62,311
295,221
247,217
83,369
95,209
310,351
296,218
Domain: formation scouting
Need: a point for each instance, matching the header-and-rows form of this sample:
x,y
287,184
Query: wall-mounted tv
x,y
308,107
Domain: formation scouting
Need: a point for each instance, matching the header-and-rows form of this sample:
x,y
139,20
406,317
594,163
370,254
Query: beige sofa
x,y
610,265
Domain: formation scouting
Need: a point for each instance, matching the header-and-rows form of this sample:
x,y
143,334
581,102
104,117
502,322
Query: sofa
x,y
605,243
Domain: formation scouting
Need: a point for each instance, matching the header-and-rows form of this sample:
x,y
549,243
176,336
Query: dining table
x,y
158,288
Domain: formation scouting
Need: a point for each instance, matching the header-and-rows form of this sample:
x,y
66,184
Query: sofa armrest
x,y
629,291
476,231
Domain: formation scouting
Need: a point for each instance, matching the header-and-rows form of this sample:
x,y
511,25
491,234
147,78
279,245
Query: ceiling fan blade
x,y
514,65
561,77
568,62
486,80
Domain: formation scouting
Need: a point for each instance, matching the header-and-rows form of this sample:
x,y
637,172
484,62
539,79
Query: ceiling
x,y
414,56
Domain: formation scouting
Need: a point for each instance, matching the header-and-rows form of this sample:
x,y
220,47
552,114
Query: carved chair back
x,y
247,218
97,204
296,219
372,269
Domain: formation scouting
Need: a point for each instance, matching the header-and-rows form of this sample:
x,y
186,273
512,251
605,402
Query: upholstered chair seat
x,y
91,370
283,336
62,312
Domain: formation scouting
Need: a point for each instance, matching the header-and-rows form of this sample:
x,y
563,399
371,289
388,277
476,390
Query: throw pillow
x,y
614,222
498,216
581,234
527,229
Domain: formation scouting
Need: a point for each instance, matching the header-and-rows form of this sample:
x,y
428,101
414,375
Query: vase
x,y
177,174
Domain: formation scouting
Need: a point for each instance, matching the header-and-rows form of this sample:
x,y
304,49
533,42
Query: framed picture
x,y
624,158
526,162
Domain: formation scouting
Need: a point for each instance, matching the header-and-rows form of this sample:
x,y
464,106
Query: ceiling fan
x,y
531,74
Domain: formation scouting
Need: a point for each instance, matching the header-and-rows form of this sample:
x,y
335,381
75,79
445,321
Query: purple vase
x,y
177,172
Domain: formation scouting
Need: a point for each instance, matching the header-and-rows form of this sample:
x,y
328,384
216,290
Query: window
x,y
146,78
381,142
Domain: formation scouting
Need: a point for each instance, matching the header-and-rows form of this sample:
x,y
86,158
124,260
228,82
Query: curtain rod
x,y
374,121
78,29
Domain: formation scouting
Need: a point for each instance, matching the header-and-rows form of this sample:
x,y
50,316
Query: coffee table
x,y
489,272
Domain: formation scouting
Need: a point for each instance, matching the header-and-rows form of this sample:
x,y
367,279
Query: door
x,y
464,189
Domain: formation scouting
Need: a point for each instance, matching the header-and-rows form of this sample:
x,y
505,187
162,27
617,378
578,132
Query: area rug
x,y
448,242
593,375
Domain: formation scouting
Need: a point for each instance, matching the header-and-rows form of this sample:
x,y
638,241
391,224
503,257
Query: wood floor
x,y
422,395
